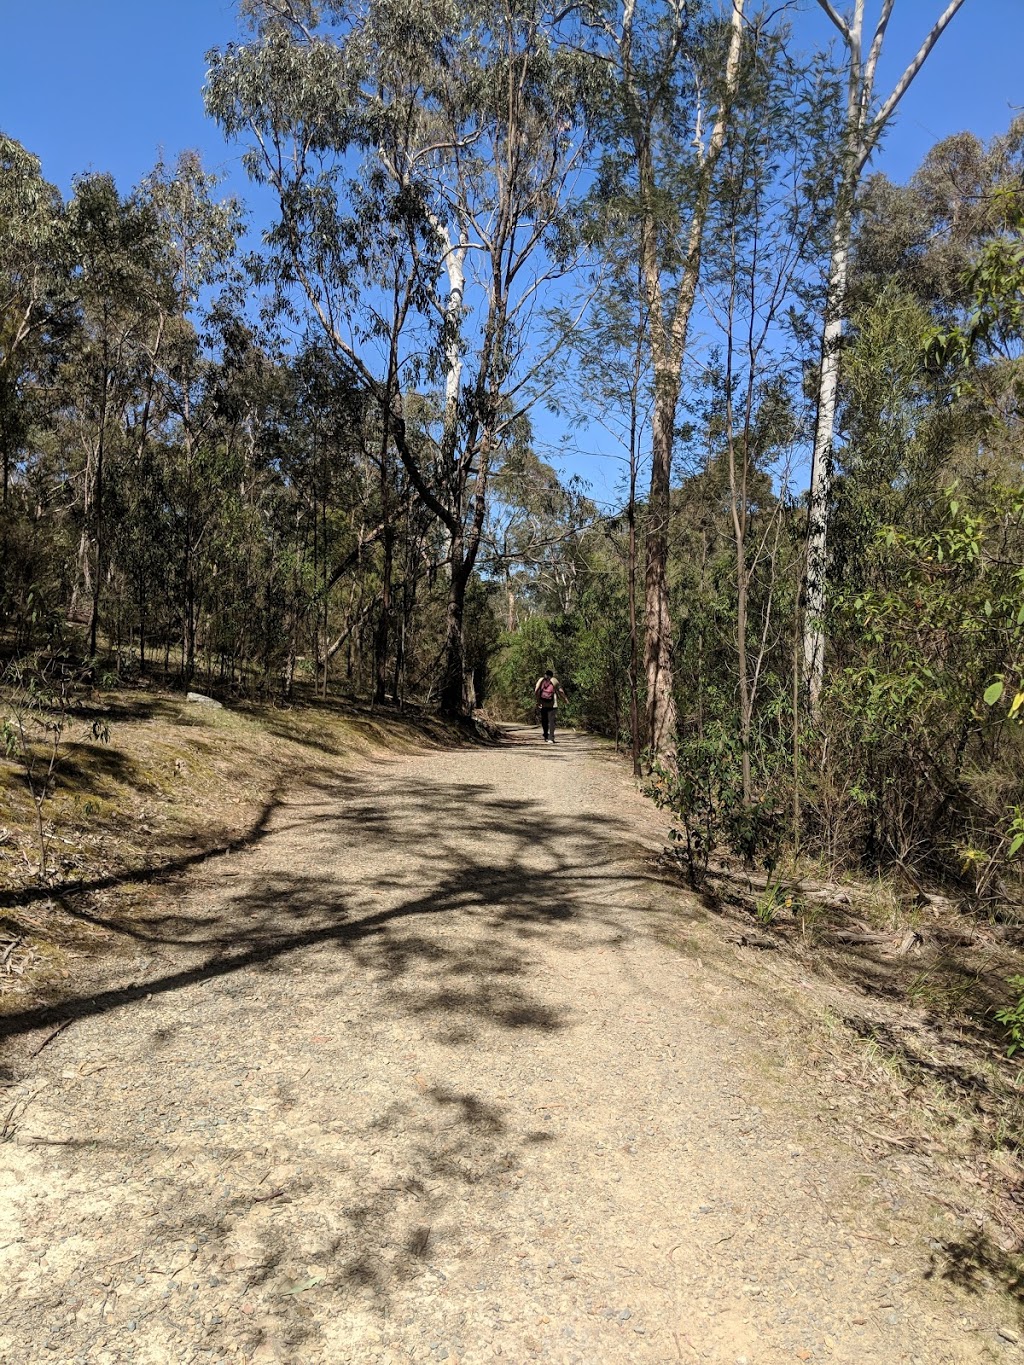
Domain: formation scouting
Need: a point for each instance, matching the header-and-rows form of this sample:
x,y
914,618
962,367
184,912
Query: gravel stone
x,y
441,1028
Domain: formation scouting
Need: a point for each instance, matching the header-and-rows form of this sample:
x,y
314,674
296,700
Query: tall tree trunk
x,y
382,633
634,662
862,132
94,613
453,678
738,501
669,331
398,676
816,564
662,718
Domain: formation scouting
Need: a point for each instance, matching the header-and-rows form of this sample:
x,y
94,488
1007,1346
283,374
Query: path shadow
x,y
554,870
65,894
974,1263
450,941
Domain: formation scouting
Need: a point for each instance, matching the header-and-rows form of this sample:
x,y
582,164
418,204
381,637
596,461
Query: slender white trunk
x,y
821,460
863,130
455,266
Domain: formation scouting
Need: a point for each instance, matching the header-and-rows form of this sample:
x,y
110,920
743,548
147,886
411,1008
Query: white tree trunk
x,y
455,266
821,460
862,133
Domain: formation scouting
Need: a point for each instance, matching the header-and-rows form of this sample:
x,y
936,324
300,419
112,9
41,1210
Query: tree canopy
x,y
329,463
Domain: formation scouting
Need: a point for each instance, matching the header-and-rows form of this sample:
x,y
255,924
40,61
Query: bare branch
x,y
876,48
903,84
837,19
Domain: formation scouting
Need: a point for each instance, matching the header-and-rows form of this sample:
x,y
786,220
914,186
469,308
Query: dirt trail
x,y
436,1071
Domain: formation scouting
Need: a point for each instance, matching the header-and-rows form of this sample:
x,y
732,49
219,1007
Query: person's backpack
x,y
546,692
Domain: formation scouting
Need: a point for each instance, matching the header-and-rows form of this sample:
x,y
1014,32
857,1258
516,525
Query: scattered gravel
x,y
438,1070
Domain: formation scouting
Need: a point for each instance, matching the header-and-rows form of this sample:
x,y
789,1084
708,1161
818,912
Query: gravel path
x,y
436,1071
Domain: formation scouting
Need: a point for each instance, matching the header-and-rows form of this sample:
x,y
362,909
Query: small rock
x,y
202,699
1007,1334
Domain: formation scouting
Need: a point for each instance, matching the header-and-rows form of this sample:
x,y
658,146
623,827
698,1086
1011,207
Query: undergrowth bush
x,y
705,796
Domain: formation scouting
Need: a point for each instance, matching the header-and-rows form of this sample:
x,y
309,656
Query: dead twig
x,y
5,956
265,1198
10,1124
50,1036
884,1137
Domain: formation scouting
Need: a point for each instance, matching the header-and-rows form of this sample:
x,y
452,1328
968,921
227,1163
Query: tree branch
x,y
837,19
903,84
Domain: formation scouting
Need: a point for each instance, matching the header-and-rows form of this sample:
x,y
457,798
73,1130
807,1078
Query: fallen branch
x,y
884,1137
50,1036
265,1198
911,939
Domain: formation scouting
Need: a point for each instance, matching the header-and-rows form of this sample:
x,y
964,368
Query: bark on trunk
x,y
862,131
382,634
634,709
669,331
662,718
816,568
453,678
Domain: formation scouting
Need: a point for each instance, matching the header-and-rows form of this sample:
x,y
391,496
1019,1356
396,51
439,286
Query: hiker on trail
x,y
547,690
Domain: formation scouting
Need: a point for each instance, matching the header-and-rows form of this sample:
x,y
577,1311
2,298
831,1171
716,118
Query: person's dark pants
x,y
547,721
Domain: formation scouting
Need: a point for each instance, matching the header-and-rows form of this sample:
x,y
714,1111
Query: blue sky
x,y
107,85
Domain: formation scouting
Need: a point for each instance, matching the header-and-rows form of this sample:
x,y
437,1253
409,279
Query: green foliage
x,y
1015,832
995,285
521,657
1012,1017
938,615
600,657
706,798
39,694
777,900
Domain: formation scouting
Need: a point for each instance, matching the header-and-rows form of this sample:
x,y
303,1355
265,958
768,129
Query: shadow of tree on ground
x,y
975,1263
439,893
552,870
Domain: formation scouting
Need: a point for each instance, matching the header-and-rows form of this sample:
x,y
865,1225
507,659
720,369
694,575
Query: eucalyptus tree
x,y
122,283
902,433
34,314
775,189
34,268
865,122
423,157
533,534
612,380
199,235
674,74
